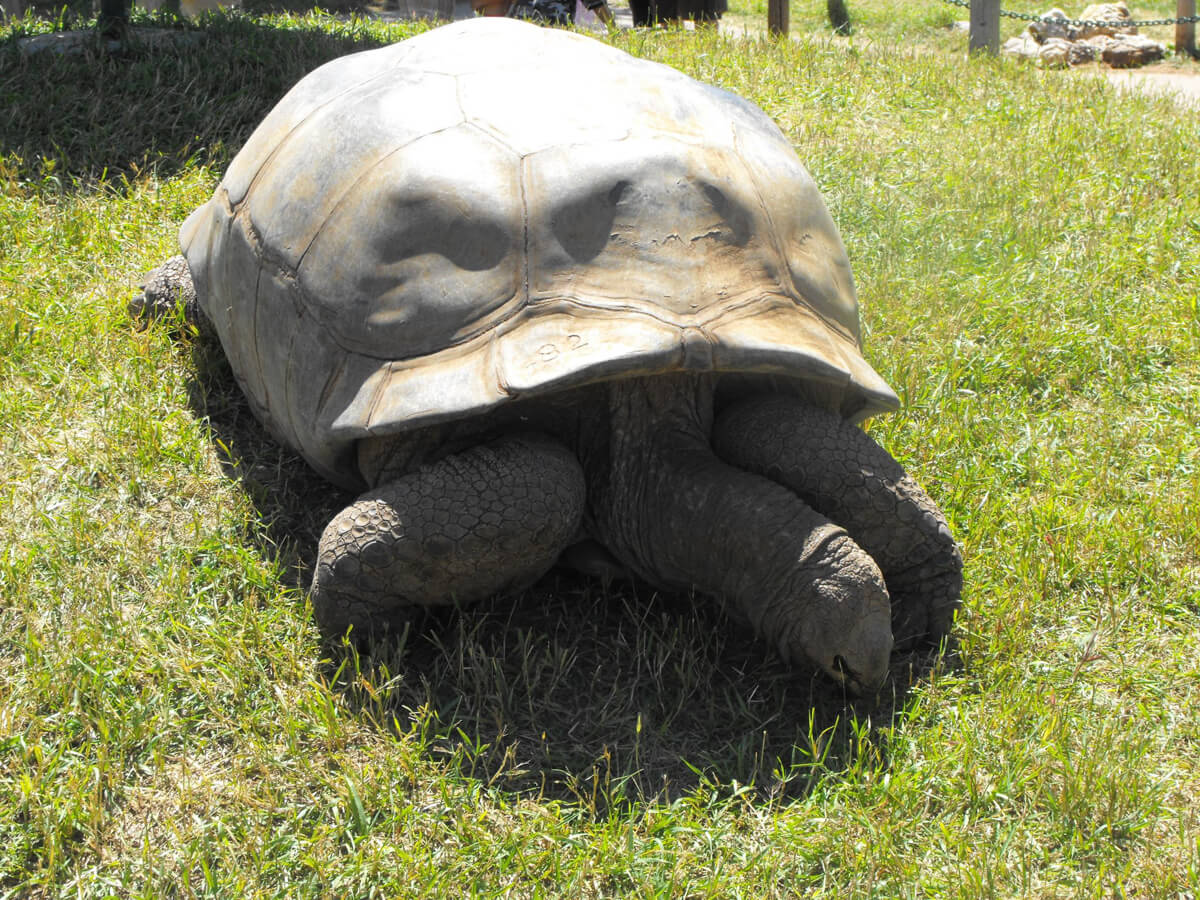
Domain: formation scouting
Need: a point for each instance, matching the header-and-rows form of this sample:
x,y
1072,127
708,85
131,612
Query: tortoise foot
x,y
838,470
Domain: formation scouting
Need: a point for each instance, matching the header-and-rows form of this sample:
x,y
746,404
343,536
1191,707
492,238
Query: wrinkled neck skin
x,y
675,514
648,441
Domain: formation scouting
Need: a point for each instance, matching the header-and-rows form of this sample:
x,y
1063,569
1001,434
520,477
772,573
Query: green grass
x,y
1027,250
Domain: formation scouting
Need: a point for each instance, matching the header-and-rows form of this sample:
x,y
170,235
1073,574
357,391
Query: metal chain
x,y
1084,23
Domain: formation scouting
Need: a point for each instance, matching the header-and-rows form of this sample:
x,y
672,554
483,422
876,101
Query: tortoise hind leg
x,y
488,520
164,289
839,470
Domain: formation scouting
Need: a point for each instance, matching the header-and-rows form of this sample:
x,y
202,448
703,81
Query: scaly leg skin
x,y
488,520
841,472
163,290
801,583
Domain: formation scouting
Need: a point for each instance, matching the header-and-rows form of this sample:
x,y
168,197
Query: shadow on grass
x,y
294,503
69,121
608,697
590,694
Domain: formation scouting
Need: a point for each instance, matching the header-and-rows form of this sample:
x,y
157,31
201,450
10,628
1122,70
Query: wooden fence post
x,y
1185,33
985,26
777,17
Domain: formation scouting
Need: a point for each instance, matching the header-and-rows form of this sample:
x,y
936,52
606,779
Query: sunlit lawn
x,y
1027,251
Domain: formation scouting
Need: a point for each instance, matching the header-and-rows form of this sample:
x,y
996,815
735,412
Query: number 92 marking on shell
x,y
550,351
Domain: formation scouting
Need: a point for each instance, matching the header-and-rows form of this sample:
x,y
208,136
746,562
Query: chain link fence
x,y
1084,23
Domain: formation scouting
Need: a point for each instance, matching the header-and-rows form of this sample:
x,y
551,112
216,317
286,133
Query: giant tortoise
x,y
533,295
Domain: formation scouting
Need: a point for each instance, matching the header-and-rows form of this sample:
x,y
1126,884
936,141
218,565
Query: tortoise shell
x,y
491,211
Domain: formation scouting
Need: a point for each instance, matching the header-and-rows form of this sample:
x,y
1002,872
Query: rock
x,y
1081,52
1056,45
1021,47
1043,31
1054,53
1105,12
1129,50
1098,42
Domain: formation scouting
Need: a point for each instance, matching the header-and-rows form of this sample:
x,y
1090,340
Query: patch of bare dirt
x,y
1182,84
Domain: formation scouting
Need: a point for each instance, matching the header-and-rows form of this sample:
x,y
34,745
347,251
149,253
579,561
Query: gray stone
x,y
1056,45
1054,53
1023,46
1097,42
1127,51
1105,12
1081,52
1043,31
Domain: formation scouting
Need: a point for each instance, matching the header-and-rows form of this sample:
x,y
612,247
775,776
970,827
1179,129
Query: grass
x,y
1026,246
925,24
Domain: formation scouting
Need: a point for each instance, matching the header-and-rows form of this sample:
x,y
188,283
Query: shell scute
x,y
297,196
324,87
424,251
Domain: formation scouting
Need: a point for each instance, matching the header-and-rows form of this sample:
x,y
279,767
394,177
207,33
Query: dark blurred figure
x,y
702,12
543,12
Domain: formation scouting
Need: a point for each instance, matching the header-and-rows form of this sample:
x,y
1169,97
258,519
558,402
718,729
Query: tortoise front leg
x,y
488,520
840,471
